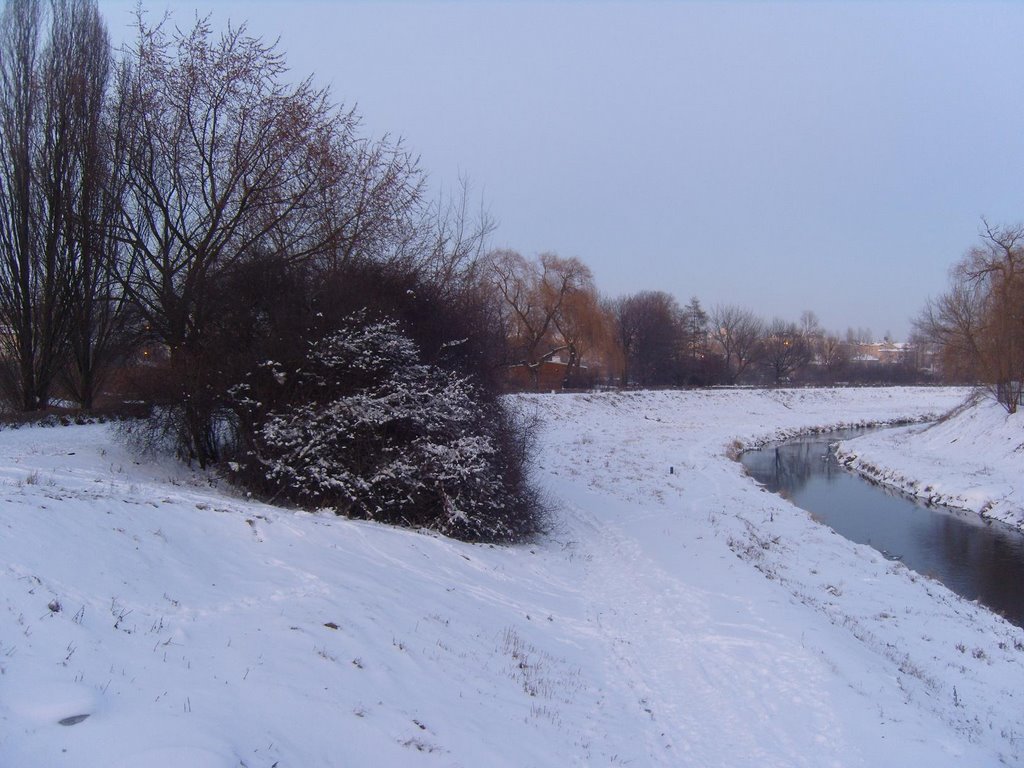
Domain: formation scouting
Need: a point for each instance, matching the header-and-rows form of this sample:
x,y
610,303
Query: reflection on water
x,y
978,559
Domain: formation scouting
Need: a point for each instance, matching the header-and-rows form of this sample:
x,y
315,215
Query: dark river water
x,y
979,559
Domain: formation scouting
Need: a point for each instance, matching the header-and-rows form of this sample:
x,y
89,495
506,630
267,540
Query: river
x,y
979,559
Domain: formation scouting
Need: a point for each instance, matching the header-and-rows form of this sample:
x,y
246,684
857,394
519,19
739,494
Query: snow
x,y
972,460
683,619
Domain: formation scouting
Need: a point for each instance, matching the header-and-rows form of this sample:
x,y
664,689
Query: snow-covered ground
x,y
677,617
973,460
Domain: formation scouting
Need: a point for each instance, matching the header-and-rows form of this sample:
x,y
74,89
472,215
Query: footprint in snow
x,y
55,702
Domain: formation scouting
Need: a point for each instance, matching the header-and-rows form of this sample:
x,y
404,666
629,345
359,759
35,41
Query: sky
x,y
836,157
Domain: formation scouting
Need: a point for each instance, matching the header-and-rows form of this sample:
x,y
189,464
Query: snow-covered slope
x,y
675,619
973,460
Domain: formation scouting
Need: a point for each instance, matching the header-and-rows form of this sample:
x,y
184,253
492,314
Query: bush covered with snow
x,y
364,426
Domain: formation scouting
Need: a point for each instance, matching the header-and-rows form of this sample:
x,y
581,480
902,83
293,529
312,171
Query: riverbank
x,y
677,615
972,459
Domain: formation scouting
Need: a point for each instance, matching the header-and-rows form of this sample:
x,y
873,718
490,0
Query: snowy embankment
x,y
972,460
682,618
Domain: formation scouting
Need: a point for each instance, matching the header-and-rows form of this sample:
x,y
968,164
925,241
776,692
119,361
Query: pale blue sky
x,y
831,156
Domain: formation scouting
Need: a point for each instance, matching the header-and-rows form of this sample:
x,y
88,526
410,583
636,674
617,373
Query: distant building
x,y
887,352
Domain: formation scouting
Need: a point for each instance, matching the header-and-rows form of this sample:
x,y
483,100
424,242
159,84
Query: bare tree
x,y
455,239
650,330
785,350
737,332
370,207
52,76
626,329
586,328
25,339
997,268
834,354
953,322
222,159
979,322
536,296
814,335
857,336
809,324
97,307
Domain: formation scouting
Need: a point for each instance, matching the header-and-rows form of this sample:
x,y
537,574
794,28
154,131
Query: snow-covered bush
x,y
365,427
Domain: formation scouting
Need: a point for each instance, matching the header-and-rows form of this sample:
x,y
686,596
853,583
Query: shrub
x,y
364,426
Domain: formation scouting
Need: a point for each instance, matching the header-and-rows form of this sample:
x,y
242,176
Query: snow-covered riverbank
x,y
678,615
972,460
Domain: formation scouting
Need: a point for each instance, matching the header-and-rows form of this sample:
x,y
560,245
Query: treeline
x,y
559,331
978,325
185,230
